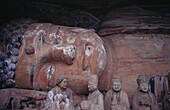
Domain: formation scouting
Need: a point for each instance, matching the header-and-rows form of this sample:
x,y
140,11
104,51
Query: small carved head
x,y
62,82
116,83
92,83
143,81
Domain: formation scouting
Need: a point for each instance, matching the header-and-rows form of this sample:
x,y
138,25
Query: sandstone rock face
x,y
49,51
139,38
137,53
136,19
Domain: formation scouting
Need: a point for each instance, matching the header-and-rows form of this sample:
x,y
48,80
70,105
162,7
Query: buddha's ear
x,y
29,49
88,50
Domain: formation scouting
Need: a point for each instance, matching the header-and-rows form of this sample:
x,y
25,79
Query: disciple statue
x,y
116,99
166,93
60,97
143,99
95,98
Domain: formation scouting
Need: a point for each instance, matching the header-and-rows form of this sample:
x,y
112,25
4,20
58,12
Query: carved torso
x,y
116,100
97,99
54,99
144,101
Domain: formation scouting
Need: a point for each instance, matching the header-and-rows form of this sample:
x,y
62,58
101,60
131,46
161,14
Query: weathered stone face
x,y
49,51
117,85
144,87
63,84
92,86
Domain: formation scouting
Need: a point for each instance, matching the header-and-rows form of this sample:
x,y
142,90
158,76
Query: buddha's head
x,y
49,51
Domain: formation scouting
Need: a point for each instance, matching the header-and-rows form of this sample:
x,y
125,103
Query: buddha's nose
x,y
64,53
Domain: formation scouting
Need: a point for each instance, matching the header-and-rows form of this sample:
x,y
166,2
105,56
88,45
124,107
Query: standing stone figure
x,y
95,98
143,99
116,99
60,97
166,95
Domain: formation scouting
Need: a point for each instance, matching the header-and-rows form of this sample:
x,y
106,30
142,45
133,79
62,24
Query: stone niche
x,y
49,51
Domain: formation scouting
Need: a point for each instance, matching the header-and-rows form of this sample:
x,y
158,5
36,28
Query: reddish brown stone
x,y
18,97
137,53
58,50
126,55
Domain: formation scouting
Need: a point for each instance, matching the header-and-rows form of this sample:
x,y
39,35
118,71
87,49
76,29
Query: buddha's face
x,y
63,84
116,85
49,51
143,87
92,86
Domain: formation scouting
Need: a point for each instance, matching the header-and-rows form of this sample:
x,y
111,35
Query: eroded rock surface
x,y
21,99
139,37
49,51
137,53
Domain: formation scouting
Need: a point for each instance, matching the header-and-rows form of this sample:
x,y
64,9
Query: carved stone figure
x,y
95,98
60,97
144,99
166,101
116,99
166,94
49,51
